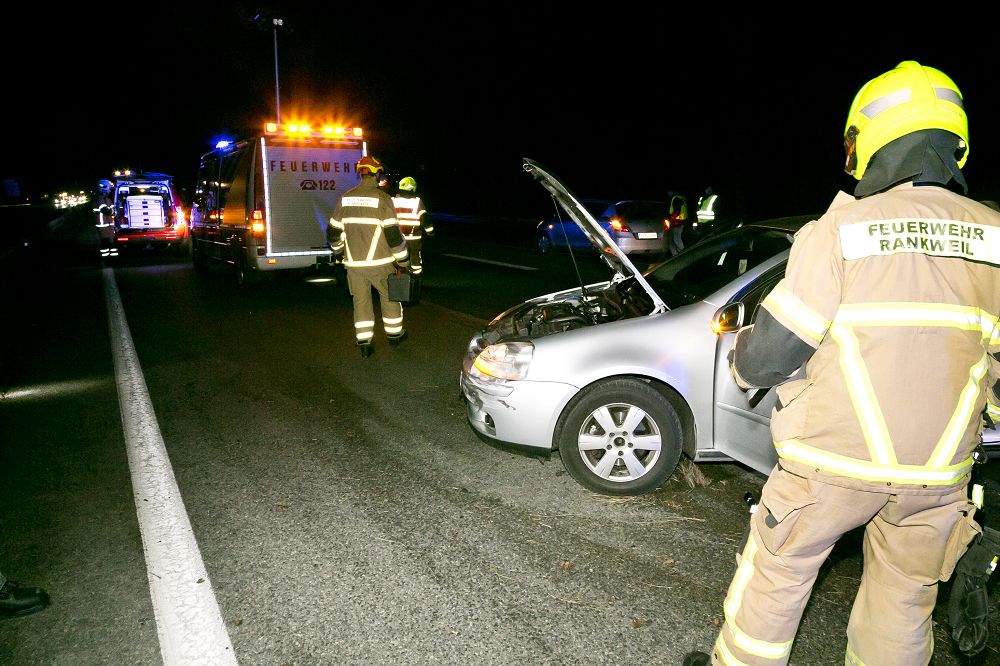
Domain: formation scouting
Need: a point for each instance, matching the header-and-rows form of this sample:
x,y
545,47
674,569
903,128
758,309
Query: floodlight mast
x,y
277,23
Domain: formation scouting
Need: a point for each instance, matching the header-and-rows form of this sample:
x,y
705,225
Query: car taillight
x,y
666,223
618,225
257,223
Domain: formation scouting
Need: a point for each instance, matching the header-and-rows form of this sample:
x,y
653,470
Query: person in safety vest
x,y
365,234
707,208
414,221
678,218
890,306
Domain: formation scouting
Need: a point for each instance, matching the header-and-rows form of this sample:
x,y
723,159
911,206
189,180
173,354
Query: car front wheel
x,y
620,437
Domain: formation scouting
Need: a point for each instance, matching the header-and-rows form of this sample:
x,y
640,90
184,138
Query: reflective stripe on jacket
x,y
706,208
899,295
369,232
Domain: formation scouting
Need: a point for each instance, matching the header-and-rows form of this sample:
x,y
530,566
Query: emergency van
x,y
147,213
262,204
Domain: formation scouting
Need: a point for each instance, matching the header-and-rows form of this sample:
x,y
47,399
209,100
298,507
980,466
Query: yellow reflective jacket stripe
x,y
796,315
863,395
371,257
864,470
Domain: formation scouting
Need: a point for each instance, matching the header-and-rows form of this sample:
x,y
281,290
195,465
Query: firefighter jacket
x,y
412,216
895,297
364,228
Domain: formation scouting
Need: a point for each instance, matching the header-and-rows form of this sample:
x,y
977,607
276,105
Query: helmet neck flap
x,y
925,157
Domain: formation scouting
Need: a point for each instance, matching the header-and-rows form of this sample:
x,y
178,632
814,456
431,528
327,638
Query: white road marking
x,y
495,263
188,620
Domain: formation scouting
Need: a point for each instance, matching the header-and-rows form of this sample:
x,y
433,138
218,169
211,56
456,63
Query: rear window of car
x,y
643,210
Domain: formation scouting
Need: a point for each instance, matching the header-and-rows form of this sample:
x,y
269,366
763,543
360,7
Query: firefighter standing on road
x,y
891,301
364,231
414,221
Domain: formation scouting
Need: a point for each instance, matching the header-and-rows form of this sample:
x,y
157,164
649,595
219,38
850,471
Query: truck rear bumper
x,y
294,262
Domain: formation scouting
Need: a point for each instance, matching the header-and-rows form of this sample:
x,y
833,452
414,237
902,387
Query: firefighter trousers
x,y
910,543
361,281
414,247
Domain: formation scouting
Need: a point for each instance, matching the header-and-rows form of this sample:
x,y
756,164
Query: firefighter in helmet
x,y
365,234
414,221
883,341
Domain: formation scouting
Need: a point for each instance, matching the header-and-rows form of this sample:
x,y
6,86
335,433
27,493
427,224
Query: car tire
x,y
629,421
544,243
244,276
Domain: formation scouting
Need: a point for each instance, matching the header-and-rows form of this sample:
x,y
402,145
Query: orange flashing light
x,y
257,222
308,129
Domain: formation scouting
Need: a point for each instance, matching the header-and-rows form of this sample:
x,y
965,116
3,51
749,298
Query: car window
x,y
643,210
703,268
754,295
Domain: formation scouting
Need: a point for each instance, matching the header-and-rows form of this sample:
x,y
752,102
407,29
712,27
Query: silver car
x,y
622,377
636,226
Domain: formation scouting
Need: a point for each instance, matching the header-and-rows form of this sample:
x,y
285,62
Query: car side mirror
x,y
729,318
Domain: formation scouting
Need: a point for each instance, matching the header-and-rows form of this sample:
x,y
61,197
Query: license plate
x,y
646,235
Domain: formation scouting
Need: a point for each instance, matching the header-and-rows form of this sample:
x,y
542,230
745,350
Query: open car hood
x,y
609,252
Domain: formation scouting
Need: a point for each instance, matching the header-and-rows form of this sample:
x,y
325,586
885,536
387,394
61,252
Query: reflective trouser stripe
x,y
393,325
361,281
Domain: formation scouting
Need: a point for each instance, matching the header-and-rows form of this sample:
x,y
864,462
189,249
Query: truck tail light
x,y
257,223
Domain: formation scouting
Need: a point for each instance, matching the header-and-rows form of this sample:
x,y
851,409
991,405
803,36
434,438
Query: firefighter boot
x,y
396,339
697,659
366,350
19,600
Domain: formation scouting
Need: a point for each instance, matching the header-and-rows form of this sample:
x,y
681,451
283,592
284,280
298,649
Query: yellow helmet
x,y
408,184
905,99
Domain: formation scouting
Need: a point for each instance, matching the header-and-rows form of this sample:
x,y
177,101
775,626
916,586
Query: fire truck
x,y
262,204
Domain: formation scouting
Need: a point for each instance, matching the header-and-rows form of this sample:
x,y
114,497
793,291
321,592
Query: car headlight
x,y
505,360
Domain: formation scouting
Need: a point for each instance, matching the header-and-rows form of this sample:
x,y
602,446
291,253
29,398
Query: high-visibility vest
x,y
706,209
684,206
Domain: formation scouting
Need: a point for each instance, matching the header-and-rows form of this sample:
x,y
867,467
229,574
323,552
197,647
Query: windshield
x,y
700,270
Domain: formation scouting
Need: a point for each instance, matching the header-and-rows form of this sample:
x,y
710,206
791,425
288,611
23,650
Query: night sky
x,y
618,102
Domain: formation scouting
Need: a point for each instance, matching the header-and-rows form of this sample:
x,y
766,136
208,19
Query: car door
x,y
742,420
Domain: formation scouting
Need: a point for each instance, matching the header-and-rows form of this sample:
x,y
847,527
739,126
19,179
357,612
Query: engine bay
x,y
615,301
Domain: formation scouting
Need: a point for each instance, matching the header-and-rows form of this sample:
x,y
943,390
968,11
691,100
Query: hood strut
x,y
569,246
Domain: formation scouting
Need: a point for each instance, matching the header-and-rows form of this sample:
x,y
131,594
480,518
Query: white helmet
x,y
105,187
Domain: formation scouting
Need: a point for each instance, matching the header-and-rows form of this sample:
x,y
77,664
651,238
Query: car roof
x,y
788,223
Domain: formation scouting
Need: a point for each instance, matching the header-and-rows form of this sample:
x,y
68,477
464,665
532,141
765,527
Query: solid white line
x,y
188,620
495,263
